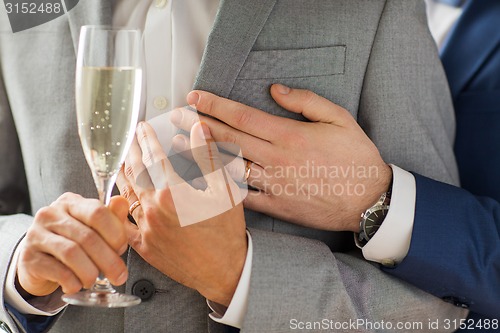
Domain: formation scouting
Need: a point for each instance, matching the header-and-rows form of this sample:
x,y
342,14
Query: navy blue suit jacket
x,y
455,247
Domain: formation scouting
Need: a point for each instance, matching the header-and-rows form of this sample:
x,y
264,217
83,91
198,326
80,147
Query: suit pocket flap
x,y
321,61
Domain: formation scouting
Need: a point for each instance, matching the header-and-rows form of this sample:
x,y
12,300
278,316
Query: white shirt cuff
x,y
44,306
391,243
235,313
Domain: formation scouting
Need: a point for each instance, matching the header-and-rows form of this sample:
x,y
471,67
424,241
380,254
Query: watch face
x,y
374,219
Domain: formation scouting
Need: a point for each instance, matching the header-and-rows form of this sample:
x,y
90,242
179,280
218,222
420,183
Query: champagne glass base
x,y
103,299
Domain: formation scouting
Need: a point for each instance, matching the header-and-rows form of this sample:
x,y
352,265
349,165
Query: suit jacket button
x,y
4,328
143,289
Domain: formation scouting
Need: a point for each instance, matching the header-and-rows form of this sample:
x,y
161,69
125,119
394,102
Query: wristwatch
x,y
372,219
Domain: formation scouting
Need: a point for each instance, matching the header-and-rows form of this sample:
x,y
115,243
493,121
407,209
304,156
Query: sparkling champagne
x,y
107,104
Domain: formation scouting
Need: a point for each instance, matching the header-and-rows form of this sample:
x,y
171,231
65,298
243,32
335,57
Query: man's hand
x,y
70,241
321,174
207,255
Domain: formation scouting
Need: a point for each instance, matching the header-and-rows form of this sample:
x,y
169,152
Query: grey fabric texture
x,y
375,58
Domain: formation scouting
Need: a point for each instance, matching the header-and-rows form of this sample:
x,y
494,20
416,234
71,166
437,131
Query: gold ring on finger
x,y
248,170
133,206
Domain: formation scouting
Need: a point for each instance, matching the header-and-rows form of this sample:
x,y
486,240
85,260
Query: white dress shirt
x,y
175,34
441,18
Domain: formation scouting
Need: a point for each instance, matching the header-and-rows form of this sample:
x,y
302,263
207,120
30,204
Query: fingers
x,y
126,190
234,165
161,171
207,157
253,148
128,193
42,267
237,170
152,151
244,118
185,118
204,149
311,105
119,206
76,245
96,216
134,169
232,162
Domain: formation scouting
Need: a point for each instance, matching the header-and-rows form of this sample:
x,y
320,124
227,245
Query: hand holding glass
x,y
108,89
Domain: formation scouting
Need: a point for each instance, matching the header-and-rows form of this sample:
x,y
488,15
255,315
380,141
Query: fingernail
x,y
179,144
140,127
122,278
205,131
284,90
193,98
176,117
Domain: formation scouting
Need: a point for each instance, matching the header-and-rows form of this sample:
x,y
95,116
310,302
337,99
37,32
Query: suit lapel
x,y
96,12
475,36
236,27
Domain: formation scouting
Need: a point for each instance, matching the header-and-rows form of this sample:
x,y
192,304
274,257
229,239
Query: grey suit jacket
x,y
373,57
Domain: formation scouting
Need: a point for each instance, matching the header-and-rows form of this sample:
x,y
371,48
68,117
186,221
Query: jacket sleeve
x,y
456,242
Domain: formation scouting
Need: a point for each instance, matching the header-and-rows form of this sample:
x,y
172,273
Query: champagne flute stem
x,y
104,188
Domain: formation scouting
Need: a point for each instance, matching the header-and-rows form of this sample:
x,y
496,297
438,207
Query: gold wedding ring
x,y
133,206
248,170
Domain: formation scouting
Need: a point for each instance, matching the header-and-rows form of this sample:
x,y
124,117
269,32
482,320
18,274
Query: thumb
x,y
119,206
310,105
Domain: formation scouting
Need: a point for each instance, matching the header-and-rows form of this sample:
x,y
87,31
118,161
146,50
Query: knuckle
x,y
127,191
65,275
88,239
44,213
99,214
141,134
147,159
242,118
70,251
31,236
229,137
150,213
207,104
67,196
129,171
309,98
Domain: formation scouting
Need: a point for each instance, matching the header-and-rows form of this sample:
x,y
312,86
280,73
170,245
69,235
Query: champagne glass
x,y
108,89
